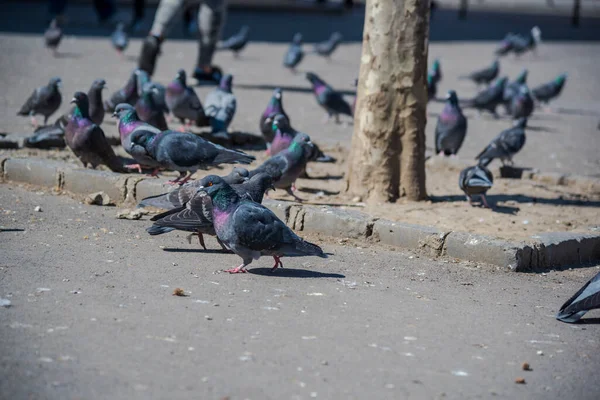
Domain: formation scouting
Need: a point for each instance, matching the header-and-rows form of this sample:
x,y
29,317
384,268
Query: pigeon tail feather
x,y
158,230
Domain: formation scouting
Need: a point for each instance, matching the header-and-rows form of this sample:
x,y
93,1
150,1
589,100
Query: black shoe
x,y
208,78
150,50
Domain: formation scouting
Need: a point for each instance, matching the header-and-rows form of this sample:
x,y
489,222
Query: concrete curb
x,y
543,251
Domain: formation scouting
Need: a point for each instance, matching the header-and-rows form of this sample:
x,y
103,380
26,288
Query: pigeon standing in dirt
x,y
512,88
237,42
251,230
587,298
451,127
183,102
508,143
489,98
44,100
221,105
52,36
476,180
274,107
485,75
128,94
87,140
522,104
327,47
329,99
120,38
548,91
95,99
294,54
148,111
185,152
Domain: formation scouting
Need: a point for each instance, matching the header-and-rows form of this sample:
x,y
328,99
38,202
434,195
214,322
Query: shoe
x,y
212,77
150,50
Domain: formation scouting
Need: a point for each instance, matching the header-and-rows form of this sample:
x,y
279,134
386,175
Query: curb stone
x,y
544,250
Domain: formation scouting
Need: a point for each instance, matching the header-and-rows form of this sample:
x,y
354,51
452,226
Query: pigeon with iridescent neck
x,y
221,105
44,100
489,98
274,107
522,104
284,136
329,99
512,88
294,54
158,93
485,75
548,91
95,99
436,71
451,127
87,140
508,143
183,102
148,111
476,180
128,94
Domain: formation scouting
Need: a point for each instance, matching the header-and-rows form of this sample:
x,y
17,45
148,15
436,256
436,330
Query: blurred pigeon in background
x,y
44,100
451,127
489,98
519,44
485,75
294,54
237,42
183,102
274,107
327,47
522,104
512,88
148,111
120,38
95,99
476,180
587,298
548,91
221,105
128,94
436,71
329,99
52,36
508,143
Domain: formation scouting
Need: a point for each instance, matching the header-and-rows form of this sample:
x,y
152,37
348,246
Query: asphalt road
x,y
93,317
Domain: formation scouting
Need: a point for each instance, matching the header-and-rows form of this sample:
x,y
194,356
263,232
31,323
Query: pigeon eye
x,y
209,184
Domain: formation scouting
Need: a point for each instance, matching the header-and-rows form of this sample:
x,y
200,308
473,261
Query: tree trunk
x,y
387,157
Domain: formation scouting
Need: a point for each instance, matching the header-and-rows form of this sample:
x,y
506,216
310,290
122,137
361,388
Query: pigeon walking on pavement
x,y
52,36
587,298
148,111
120,38
294,54
508,143
185,152
275,107
95,99
522,104
436,71
327,47
451,127
512,88
128,94
485,75
476,180
489,98
221,105
44,100
251,230
87,140
237,42
548,91
431,88
329,99
183,102
519,44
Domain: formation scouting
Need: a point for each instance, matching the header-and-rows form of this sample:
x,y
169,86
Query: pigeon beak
x,y
73,100
246,179
200,187
272,187
114,115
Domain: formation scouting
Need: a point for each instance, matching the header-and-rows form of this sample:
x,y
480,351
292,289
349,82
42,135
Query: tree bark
x,y
387,157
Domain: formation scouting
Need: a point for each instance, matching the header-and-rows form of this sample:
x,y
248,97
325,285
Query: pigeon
x,y
128,94
237,42
522,104
158,95
47,137
451,127
327,47
183,102
548,91
221,105
87,140
44,100
587,298
329,99
288,164
148,111
295,54
52,36
120,38
489,98
485,75
180,195
476,180
266,119
519,44
251,230
431,87
195,213
508,143
512,88
284,136
184,152
436,71
95,99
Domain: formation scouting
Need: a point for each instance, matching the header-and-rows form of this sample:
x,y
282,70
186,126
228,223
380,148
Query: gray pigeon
x,y
52,36
87,140
237,42
120,38
44,100
587,298
327,47
274,107
476,180
508,143
288,164
128,94
451,127
251,230
183,102
184,152
489,98
512,88
436,71
148,111
95,99
221,105
548,91
485,75
284,136
522,104
294,54
329,99
158,93
48,137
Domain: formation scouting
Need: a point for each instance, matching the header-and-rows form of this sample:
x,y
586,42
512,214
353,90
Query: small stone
x,y
98,199
208,317
38,209
129,214
526,367
520,381
356,199
5,303
540,353
179,292
324,362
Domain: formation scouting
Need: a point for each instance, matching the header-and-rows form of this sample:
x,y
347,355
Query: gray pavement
x,y
93,316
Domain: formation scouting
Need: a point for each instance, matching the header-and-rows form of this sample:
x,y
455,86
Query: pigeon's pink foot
x,y
187,178
238,270
181,128
174,181
138,167
441,153
155,172
484,200
278,263
34,123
